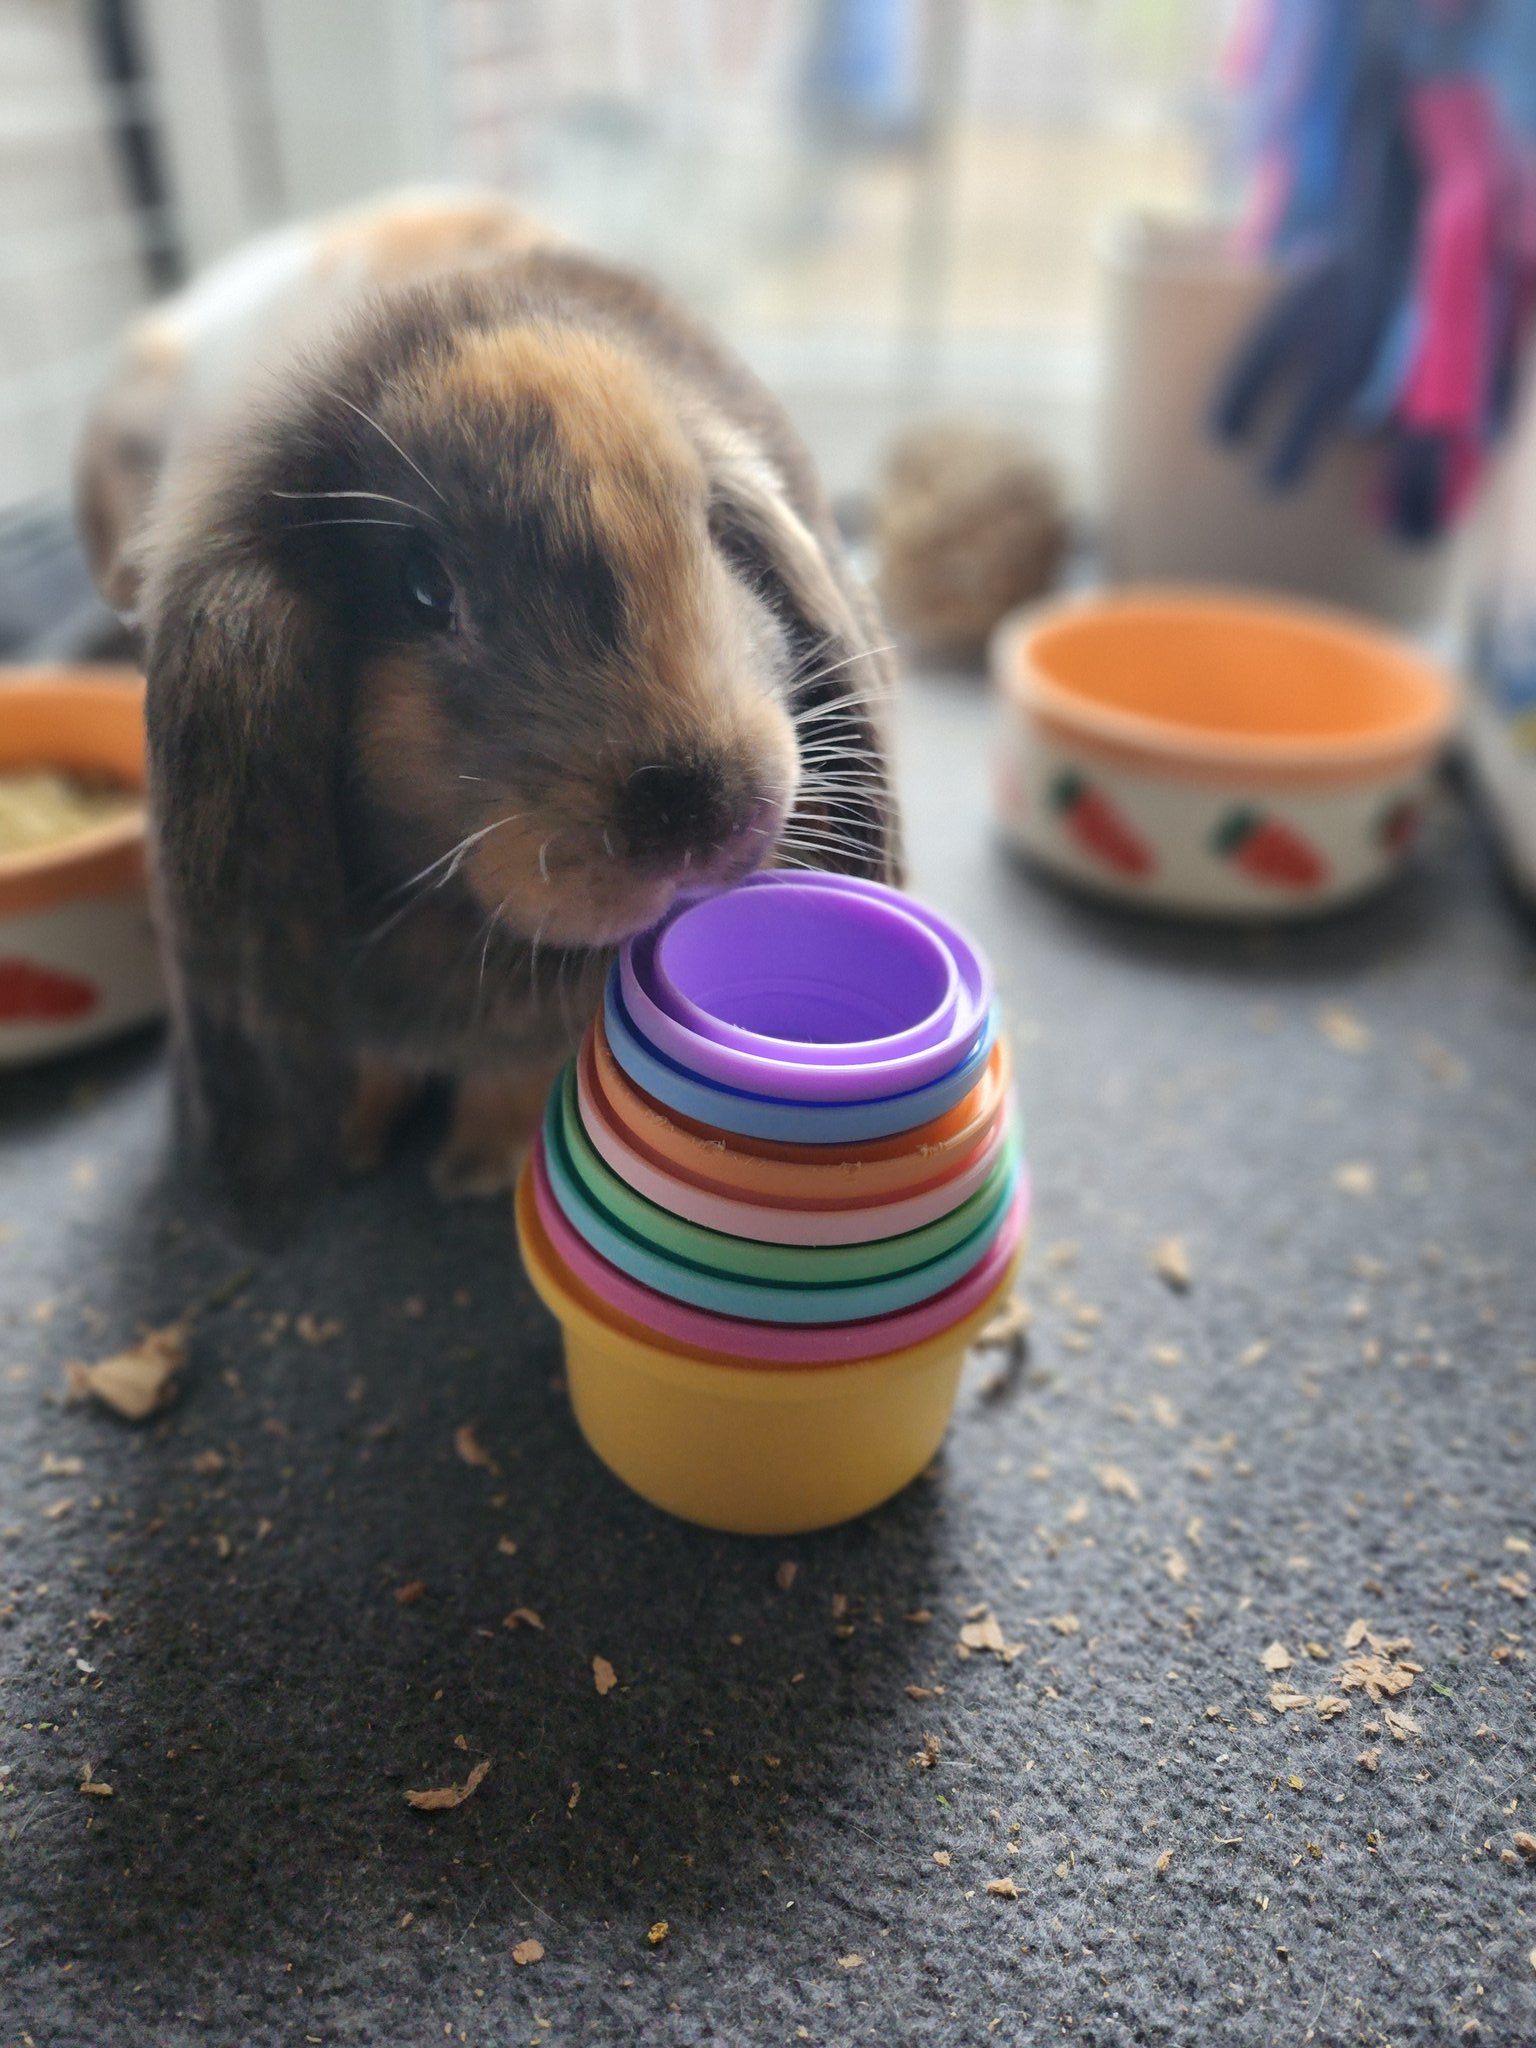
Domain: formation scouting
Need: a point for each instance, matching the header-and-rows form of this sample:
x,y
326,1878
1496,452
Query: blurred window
x,y
889,205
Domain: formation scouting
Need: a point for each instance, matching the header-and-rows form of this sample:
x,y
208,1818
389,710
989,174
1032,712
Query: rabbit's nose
x,y
693,814
669,808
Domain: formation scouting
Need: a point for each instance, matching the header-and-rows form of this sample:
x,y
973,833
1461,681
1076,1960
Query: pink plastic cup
x,y
793,1345
851,1223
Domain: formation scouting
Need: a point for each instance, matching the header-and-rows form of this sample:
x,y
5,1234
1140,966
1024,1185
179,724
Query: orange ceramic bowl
x,y
77,954
801,1176
1223,754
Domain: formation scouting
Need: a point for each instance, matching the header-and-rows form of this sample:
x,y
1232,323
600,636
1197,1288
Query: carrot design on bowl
x,y
31,993
1098,827
1269,850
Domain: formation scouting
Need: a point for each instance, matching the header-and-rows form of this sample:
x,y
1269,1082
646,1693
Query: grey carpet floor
x,y
830,1808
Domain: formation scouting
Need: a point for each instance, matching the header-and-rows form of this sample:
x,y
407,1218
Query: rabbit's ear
x,y
244,747
118,462
844,676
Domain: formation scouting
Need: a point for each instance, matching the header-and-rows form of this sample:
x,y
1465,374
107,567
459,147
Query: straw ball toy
x,y
969,523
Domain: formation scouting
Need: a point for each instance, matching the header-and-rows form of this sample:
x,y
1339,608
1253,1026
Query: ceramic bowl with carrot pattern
x,y
77,953
1215,754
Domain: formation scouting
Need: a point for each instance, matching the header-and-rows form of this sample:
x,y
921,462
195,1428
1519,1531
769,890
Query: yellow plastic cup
x,y
753,1450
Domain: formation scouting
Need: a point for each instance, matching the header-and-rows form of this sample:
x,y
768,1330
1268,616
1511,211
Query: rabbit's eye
x,y
428,589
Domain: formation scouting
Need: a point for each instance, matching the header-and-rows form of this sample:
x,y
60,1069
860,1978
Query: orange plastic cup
x,y
795,1176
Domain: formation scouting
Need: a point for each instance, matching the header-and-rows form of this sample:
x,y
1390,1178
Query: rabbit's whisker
x,y
533,960
376,497
300,525
420,885
491,924
832,667
368,420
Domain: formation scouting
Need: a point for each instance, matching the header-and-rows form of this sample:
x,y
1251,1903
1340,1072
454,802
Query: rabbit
x,y
488,607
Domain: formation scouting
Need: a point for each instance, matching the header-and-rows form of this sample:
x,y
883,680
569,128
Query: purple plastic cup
x,y
812,988
807,971
975,980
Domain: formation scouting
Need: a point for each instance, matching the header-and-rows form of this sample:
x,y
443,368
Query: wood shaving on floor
x,y
137,1382
1378,1671
1011,1322
1114,1479
471,1450
438,1798
983,1632
1170,1262
1344,1030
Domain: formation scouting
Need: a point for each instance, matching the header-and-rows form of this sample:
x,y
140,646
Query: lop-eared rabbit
x,y
487,604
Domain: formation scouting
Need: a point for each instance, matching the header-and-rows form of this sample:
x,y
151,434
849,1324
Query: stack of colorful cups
x,y
776,1196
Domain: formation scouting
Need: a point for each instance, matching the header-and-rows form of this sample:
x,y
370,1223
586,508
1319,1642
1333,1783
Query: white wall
x,y
70,267
264,109
278,108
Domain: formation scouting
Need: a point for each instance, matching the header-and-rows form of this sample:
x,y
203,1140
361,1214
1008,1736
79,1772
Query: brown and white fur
x,y
487,604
